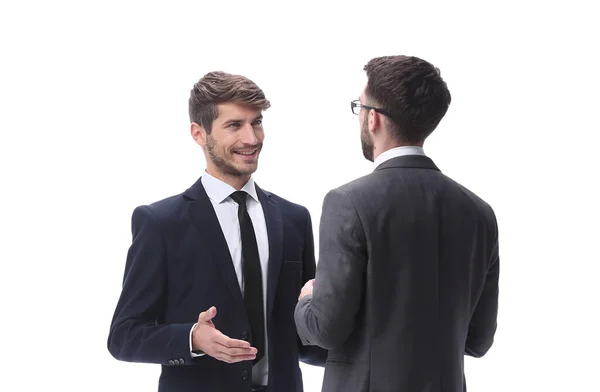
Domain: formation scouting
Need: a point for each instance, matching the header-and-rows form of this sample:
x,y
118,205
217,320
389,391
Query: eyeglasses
x,y
356,106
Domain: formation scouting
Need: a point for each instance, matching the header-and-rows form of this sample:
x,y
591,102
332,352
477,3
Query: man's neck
x,y
236,182
378,150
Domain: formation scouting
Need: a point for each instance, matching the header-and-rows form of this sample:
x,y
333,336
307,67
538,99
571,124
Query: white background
x,y
93,118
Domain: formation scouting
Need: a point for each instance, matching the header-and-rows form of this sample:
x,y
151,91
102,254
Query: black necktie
x,y
253,298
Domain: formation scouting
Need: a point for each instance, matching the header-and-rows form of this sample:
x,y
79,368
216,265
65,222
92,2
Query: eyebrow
x,y
234,120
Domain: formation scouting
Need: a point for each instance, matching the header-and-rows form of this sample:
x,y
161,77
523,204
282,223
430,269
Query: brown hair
x,y
412,91
220,87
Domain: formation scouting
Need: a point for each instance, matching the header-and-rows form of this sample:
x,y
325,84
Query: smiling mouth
x,y
247,153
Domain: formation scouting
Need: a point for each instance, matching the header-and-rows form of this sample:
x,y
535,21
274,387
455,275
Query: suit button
x,y
176,361
245,374
245,335
171,362
181,361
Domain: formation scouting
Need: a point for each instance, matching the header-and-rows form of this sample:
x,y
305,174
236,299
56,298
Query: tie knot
x,y
239,197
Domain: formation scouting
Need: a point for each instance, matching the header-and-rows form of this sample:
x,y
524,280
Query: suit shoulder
x,y
478,200
163,210
354,187
286,204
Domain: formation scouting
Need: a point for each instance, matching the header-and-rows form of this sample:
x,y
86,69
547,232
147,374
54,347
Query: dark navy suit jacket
x,y
179,265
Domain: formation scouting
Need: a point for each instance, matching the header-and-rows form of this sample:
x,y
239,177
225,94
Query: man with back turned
x,y
407,277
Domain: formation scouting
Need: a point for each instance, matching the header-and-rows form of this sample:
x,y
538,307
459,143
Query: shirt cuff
x,y
197,353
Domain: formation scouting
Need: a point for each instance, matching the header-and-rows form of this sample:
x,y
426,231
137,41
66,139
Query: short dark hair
x,y
412,91
220,87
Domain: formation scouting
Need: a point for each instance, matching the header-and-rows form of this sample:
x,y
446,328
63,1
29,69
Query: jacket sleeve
x,y
483,324
137,331
312,355
327,318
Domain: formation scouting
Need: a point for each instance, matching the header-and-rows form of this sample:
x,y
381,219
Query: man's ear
x,y
198,133
374,122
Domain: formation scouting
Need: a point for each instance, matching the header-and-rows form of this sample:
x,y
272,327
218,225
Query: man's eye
x,y
258,122
233,125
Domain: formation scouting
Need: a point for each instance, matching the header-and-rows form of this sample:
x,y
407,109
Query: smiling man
x,y
210,286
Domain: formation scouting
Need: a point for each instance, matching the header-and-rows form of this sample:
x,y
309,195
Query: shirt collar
x,y
396,152
218,190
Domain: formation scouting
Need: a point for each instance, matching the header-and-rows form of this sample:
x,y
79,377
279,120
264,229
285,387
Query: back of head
x,y
412,91
221,87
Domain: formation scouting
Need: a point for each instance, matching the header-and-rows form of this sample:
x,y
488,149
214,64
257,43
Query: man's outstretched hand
x,y
208,339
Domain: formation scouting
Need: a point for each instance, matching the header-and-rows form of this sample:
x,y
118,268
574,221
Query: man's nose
x,y
249,135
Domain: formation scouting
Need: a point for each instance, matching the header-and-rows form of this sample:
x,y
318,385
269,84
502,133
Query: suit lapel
x,y
275,233
206,221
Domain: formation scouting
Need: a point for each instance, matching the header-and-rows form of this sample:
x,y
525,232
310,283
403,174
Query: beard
x,y
223,165
366,141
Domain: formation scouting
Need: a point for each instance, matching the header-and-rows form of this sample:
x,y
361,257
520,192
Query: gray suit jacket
x,y
406,282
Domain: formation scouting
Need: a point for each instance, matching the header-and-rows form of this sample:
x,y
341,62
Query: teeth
x,y
245,153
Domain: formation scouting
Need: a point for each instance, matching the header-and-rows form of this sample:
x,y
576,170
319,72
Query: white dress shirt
x,y
396,152
227,213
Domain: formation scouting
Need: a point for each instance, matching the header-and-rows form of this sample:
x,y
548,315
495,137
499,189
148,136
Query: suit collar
x,y
409,161
397,152
218,190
